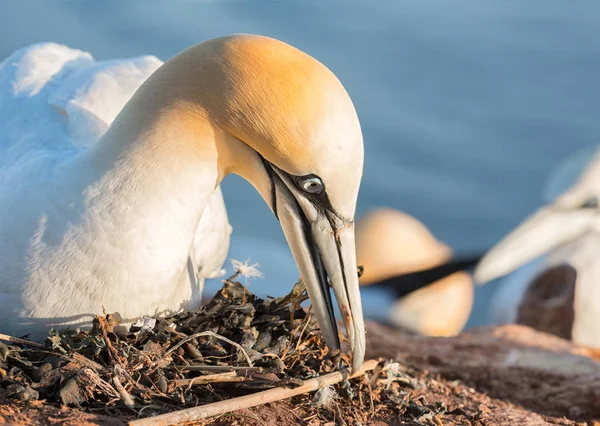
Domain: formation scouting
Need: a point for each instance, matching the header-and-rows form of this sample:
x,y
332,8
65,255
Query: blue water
x,y
466,106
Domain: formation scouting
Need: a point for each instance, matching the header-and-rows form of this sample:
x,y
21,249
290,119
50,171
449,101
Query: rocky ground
x,y
510,375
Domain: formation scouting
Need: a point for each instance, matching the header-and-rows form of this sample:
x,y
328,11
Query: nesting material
x,y
237,344
172,370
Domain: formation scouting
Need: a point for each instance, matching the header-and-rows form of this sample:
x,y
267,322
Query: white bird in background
x,y
110,173
559,291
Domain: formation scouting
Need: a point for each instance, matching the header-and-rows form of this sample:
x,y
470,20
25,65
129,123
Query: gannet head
x,y
568,215
292,131
391,243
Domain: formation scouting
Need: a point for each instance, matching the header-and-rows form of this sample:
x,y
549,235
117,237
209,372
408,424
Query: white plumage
x,y
563,232
55,103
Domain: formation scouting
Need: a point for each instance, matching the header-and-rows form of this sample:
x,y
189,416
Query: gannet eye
x,y
590,203
312,185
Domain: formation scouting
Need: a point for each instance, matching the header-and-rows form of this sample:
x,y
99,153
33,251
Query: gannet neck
x,y
178,132
130,207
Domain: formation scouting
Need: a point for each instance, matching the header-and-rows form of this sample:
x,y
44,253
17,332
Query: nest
x,y
235,345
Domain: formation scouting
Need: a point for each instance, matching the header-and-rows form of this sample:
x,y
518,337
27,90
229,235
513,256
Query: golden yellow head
x,y
284,104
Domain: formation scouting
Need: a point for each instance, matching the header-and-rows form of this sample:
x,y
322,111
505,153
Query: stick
x,y
211,378
81,360
222,368
92,376
259,398
124,395
216,336
20,341
102,323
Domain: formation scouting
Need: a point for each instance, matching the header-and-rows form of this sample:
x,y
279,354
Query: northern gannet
x,y
392,245
110,173
561,242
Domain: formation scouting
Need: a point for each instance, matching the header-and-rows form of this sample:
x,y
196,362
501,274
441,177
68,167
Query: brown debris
x,y
235,345
239,344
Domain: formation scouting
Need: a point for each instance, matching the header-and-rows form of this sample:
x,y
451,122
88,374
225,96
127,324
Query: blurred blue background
x,y
466,106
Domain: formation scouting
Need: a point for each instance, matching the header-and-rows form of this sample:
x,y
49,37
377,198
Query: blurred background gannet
x,y
110,173
555,254
434,292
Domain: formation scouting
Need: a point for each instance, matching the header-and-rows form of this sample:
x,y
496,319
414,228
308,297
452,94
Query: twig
x,y
20,341
211,378
371,397
308,315
86,362
233,277
124,395
93,377
259,398
216,336
338,415
306,322
222,368
102,323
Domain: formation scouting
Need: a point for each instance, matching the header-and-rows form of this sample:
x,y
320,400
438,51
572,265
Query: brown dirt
x,y
37,413
512,371
510,375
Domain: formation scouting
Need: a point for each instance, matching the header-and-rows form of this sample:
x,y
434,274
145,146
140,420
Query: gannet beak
x,y
548,228
324,247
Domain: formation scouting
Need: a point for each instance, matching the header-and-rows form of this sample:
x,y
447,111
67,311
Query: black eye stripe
x,y
319,200
272,177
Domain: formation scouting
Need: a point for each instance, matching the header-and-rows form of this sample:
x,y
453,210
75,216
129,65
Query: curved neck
x,y
157,159
152,174
126,213
177,125
144,186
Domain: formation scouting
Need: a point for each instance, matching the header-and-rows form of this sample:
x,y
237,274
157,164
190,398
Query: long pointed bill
x,y
545,230
338,251
319,253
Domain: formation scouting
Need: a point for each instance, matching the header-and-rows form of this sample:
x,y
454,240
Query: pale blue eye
x,y
312,185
